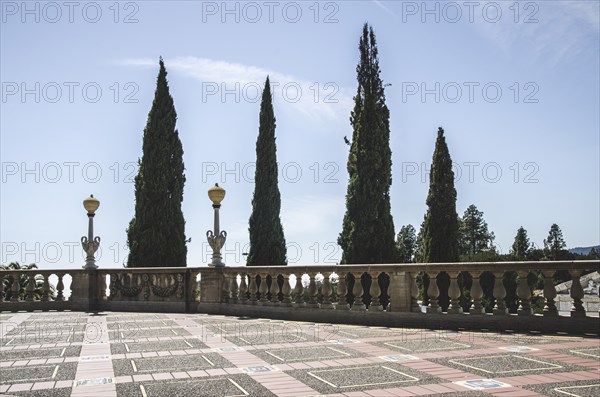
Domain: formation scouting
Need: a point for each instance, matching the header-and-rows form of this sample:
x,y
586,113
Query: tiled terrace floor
x,y
147,355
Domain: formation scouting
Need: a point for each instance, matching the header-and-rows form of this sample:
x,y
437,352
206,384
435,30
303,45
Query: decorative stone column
x,y
454,294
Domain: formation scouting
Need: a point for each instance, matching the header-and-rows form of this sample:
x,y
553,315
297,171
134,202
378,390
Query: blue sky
x,y
515,86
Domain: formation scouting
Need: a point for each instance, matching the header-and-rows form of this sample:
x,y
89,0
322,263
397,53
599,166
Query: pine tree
x,y
555,243
440,232
474,236
406,243
368,229
267,242
156,234
521,246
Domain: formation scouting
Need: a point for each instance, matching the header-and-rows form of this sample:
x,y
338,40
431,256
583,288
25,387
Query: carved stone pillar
x,y
433,292
454,294
357,291
499,294
577,295
477,295
524,294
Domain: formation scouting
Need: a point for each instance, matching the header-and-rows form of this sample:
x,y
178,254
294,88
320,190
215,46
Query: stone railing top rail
x,y
410,267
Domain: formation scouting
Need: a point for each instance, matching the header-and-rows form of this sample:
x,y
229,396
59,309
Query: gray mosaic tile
x,y
21,354
124,325
278,356
162,345
587,388
361,377
422,346
239,385
592,353
38,373
501,365
61,392
141,333
190,362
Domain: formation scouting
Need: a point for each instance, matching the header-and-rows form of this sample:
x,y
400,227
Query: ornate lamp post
x,y
216,239
90,243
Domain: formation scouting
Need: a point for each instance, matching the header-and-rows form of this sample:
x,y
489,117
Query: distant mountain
x,y
583,250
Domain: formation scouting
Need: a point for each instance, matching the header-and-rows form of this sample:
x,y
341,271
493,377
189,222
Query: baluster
x,y
30,291
2,293
286,290
375,293
46,295
499,294
16,287
549,294
358,292
234,289
275,289
477,295
524,294
454,294
414,294
226,292
577,295
298,292
102,282
342,291
433,292
326,291
312,291
263,289
252,287
243,291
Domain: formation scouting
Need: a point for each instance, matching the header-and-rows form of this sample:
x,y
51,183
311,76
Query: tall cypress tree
x,y
156,234
368,229
267,242
440,231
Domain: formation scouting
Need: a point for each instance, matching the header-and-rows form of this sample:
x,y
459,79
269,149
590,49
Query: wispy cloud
x,y
312,99
554,30
384,7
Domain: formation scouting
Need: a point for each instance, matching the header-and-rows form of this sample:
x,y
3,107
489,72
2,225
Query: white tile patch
x,y
518,349
343,341
96,381
260,368
482,384
103,357
228,349
404,357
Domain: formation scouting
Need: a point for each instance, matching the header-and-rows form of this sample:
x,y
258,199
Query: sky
x,y
515,85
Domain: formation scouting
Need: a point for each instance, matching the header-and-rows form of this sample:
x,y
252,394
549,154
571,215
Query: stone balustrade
x,y
461,295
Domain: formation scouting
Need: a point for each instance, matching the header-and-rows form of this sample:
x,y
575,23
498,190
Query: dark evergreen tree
x,y
156,234
554,245
474,236
440,231
368,229
267,242
406,242
418,257
521,246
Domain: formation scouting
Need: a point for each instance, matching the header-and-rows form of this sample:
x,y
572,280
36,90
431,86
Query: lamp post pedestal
x,y
90,243
216,238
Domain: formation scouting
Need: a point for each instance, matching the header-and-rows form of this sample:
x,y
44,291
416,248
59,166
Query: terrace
x,y
237,331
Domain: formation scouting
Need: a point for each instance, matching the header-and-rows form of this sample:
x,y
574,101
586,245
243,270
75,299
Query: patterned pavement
x,y
143,354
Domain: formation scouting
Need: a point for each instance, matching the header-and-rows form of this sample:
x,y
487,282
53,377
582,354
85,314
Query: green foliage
x,y
267,242
521,246
554,244
368,229
474,235
7,282
406,243
156,234
440,230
